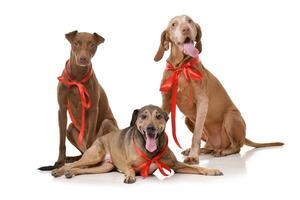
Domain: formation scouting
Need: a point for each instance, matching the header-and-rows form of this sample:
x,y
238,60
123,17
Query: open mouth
x,y
187,40
150,140
188,47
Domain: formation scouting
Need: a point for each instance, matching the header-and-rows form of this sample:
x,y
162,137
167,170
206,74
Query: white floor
x,y
269,173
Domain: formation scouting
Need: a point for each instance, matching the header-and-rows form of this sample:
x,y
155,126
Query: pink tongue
x,y
189,49
151,144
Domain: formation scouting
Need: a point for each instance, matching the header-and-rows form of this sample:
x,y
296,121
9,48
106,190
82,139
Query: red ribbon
x,y
84,97
146,165
189,72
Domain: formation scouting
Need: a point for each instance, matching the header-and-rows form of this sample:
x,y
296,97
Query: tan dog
x,y
210,113
98,118
117,150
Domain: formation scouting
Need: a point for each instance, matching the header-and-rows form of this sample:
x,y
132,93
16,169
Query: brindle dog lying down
x,y
139,149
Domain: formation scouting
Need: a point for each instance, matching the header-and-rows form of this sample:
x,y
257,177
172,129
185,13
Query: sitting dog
x,y
82,96
141,148
210,113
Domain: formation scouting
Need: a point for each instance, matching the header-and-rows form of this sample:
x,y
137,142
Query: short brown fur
x,y
115,150
99,119
210,115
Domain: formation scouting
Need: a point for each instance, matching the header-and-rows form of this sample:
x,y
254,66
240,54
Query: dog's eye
x,y
174,24
143,116
159,116
189,21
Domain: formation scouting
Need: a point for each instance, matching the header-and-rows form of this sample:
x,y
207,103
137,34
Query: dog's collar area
x,y
85,78
84,97
185,59
186,63
190,73
146,165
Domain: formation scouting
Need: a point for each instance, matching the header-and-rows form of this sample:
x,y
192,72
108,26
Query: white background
x,y
251,46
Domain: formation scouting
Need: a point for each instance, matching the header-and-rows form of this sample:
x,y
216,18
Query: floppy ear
x,y
98,38
166,116
134,117
70,36
164,46
198,38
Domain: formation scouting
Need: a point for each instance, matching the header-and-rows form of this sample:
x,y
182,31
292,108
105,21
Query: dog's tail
x,y
258,145
47,168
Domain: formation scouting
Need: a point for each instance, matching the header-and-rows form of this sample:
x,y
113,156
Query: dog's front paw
x,y
211,172
69,174
218,153
129,179
217,172
57,172
191,160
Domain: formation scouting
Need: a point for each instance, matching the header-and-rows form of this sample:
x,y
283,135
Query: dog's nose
x,y
185,30
150,128
83,59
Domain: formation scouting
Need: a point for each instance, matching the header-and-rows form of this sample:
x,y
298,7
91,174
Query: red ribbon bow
x,y
146,165
189,73
84,97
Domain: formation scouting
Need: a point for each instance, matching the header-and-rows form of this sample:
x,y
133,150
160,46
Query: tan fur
x,y
210,114
117,146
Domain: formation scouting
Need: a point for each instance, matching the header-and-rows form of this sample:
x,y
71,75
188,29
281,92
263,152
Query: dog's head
x,y
182,32
84,46
150,122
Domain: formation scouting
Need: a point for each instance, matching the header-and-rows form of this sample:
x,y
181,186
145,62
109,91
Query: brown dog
x,y
210,113
120,150
79,92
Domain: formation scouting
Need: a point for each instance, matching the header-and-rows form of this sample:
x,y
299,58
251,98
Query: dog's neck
x,y
177,57
77,72
140,143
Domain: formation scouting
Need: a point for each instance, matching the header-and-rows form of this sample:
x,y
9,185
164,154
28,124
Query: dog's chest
x,y
152,168
139,162
75,103
184,86
74,98
185,96
73,94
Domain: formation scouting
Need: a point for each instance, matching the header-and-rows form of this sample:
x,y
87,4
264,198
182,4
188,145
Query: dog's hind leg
x,y
108,125
201,151
92,156
70,159
72,135
180,167
170,160
103,168
235,129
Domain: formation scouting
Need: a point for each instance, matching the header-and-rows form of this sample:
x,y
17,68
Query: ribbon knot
x,y
189,72
146,165
84,98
